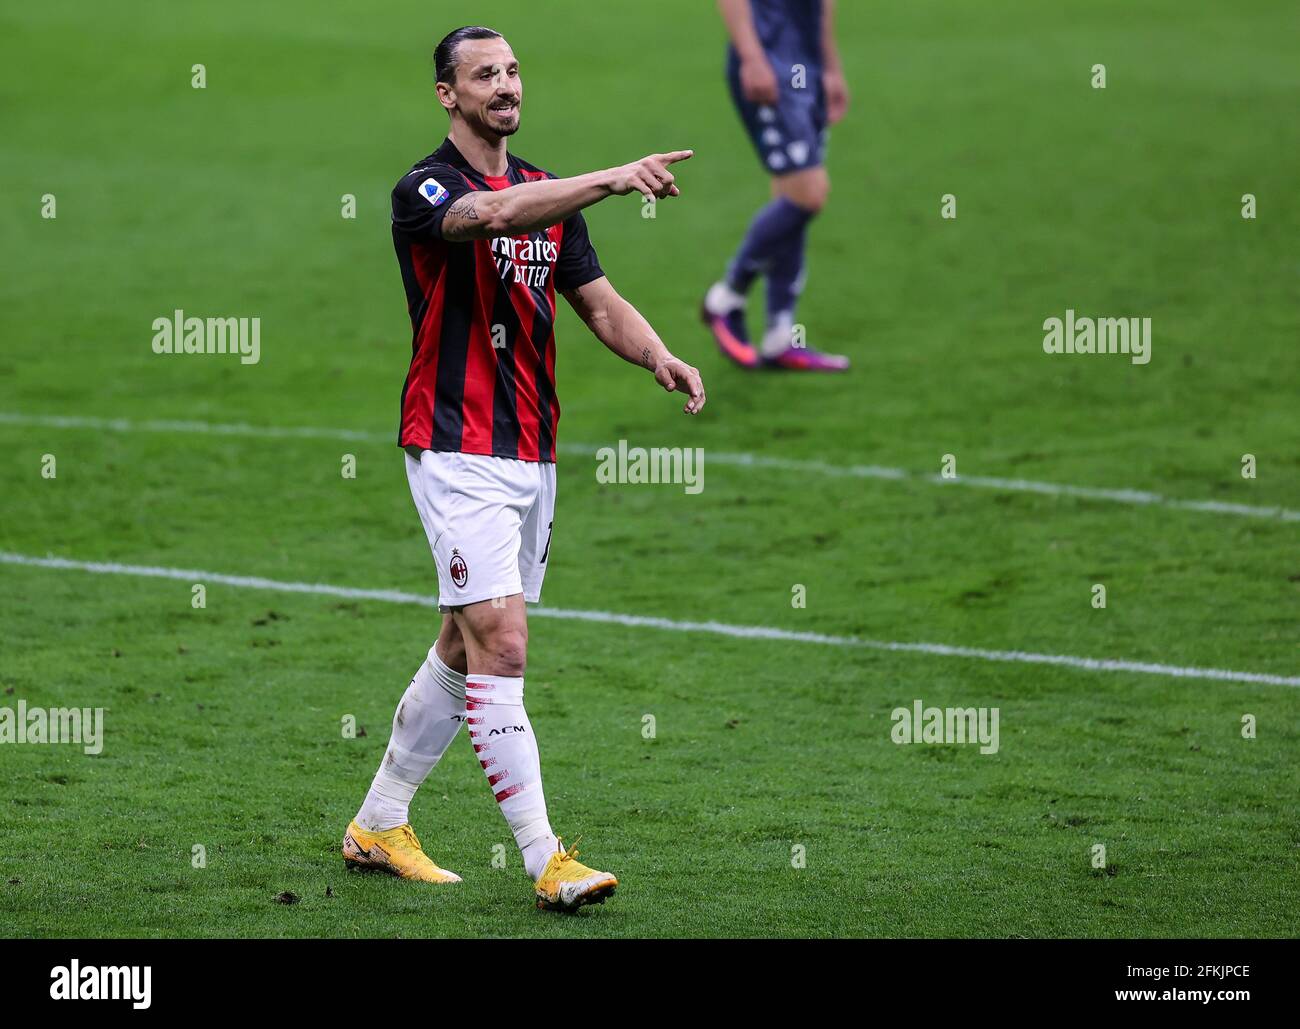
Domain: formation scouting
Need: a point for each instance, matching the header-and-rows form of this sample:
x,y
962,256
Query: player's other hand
x,y
674,375
758,81
649,176
837,95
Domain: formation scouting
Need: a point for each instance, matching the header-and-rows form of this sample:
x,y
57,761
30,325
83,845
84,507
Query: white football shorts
x,y
488,520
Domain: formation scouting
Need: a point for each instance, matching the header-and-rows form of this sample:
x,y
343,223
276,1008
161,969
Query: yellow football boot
x,y
566,884
395,851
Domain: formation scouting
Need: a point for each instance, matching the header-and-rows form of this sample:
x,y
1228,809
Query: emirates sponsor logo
x,y
526,260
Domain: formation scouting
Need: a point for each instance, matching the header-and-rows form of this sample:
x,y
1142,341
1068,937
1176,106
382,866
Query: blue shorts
x,y
791,135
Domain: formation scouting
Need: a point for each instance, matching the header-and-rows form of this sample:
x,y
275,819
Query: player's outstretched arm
x,y
530,206
623,329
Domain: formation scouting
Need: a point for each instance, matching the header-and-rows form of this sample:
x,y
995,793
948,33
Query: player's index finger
x,y
675,156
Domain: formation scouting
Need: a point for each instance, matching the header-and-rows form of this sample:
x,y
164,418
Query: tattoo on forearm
x,y
646,359
463,208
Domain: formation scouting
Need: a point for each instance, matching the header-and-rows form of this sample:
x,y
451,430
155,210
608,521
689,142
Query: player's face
x,y
489,91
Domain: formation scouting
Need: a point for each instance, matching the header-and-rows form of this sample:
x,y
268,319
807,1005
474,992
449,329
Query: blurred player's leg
x,y
766,243
806,191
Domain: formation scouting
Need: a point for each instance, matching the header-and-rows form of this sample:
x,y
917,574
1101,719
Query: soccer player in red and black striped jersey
x,y
485,241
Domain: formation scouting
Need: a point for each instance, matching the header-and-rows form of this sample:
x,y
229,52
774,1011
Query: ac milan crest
x,y
459,569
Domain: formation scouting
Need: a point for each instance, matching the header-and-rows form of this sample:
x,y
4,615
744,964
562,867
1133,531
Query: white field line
x,y
759,632
737,460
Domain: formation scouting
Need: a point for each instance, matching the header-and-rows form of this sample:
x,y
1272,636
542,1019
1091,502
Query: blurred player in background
x,y
785,77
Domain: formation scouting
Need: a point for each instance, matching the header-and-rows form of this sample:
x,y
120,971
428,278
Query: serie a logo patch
x,y
433,191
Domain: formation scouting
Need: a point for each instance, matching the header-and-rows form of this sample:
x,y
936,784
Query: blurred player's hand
x,y
837,95
758,81
673,375
649,176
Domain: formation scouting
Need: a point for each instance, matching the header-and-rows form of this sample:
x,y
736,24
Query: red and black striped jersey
x,y
482,375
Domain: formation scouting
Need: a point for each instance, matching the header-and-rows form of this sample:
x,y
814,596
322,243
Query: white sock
x,y
537,853
777,338
721,299
426,722
507,749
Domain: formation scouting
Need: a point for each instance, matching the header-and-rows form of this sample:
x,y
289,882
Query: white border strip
x,y
737,460
1089,664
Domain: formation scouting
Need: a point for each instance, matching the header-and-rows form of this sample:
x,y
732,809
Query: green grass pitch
x,y
223,724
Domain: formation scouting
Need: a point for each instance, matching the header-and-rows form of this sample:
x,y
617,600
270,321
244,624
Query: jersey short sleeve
x,y
577,264
422,197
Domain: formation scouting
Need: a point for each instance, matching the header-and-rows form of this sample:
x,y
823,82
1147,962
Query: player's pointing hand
x,y
649,176
674,375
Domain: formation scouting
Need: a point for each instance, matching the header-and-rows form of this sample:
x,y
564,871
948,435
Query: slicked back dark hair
x,y
444,54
